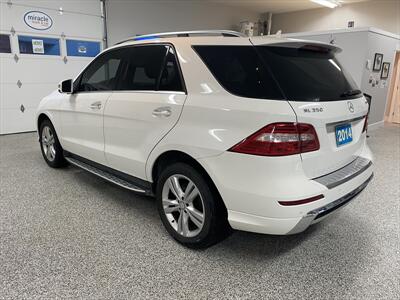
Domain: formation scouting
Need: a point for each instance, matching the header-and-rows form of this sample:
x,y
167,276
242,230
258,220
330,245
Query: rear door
x,y
322,94
144,107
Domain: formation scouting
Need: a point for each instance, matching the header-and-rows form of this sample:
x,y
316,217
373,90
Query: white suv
x,y
260,134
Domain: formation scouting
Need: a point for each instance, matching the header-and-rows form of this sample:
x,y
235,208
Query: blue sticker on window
x,y
82,48
38,45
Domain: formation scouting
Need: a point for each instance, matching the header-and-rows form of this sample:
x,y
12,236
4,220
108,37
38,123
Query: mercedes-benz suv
x,y
261,134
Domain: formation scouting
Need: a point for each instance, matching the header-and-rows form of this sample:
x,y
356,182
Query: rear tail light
x,y
365,128
280,139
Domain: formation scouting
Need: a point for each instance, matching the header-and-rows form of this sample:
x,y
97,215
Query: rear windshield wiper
x,y
350,93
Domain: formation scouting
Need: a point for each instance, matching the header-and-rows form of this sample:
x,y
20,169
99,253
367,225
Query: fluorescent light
x,y
327,3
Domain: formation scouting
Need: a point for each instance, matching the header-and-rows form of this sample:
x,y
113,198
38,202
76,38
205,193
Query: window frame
x,y
43,38
184,90
69,41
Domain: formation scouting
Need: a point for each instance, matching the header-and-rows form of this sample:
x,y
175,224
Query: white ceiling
x,y
276,6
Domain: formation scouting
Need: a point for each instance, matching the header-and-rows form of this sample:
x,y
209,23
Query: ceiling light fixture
x,y
327,3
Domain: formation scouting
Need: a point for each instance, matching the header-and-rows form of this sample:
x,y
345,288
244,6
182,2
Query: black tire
x,y
215,224
57,159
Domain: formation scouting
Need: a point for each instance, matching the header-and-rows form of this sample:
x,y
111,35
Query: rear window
x,y
272,72
240,71
309,75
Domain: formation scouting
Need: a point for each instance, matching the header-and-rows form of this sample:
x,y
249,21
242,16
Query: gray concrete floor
x,y
68,234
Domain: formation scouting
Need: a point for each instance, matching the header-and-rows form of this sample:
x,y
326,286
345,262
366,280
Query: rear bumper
x,y
252,187
318,214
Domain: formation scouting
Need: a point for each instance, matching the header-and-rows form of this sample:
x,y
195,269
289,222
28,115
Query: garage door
x,y
42,43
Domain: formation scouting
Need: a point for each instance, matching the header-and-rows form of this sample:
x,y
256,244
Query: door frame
x,y
395,80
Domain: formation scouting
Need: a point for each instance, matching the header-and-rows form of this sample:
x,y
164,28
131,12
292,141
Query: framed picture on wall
x,y
385,70
378,61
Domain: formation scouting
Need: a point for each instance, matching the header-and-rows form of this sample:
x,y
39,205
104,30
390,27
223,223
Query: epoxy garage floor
x,y
66,233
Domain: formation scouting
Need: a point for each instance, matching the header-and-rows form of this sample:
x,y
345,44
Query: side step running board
x,y
105,175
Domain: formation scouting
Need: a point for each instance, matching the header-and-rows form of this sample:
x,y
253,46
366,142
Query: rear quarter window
x,y
240,71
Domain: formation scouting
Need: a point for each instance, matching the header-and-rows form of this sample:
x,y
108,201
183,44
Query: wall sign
x,y
37,46
38,20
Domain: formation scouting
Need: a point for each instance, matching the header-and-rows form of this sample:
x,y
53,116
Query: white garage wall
x,y
126,18
383,14
40,74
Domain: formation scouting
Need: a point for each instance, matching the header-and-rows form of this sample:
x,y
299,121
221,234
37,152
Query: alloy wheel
x,y
48,143
183,205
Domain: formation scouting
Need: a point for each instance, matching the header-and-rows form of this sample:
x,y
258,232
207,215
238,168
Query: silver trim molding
x,y
318,213
347,121
348,172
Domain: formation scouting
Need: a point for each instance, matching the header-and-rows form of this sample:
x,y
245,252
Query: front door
x,y
82,111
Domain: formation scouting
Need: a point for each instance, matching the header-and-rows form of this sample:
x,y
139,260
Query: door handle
x,y
162,112
96,105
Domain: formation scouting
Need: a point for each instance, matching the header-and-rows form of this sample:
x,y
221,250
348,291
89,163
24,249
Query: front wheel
x,y
50,146
189,208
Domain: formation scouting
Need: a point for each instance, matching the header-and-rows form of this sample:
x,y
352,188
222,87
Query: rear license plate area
x,y
344,134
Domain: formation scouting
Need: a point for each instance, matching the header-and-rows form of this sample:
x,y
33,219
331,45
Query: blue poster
x,y
82,48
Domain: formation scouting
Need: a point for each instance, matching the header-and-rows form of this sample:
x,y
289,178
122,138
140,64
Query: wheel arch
x,y
174,156
41,117
48,116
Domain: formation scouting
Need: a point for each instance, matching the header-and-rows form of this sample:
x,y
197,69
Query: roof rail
x,y
229,33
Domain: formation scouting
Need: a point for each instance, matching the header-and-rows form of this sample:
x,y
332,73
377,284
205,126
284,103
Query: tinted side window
x,y
240,71
170,79
143,67
101,75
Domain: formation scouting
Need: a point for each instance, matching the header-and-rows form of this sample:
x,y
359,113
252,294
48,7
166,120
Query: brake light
x,y
365,128
280,139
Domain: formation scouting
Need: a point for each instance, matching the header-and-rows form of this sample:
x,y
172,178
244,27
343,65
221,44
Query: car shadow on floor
x,y
327,243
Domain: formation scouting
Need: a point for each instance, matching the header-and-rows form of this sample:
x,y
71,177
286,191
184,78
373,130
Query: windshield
x,y
308,74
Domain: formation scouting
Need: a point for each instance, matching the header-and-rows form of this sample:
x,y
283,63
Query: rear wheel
x,y
51,148
188,207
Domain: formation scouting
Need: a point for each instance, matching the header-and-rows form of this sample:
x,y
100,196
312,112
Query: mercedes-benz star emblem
x,y
350,106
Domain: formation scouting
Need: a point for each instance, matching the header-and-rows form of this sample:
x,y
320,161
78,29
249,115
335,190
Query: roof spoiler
x,y
308,45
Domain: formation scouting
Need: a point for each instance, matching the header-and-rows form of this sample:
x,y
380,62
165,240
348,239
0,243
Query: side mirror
x,y
66,86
